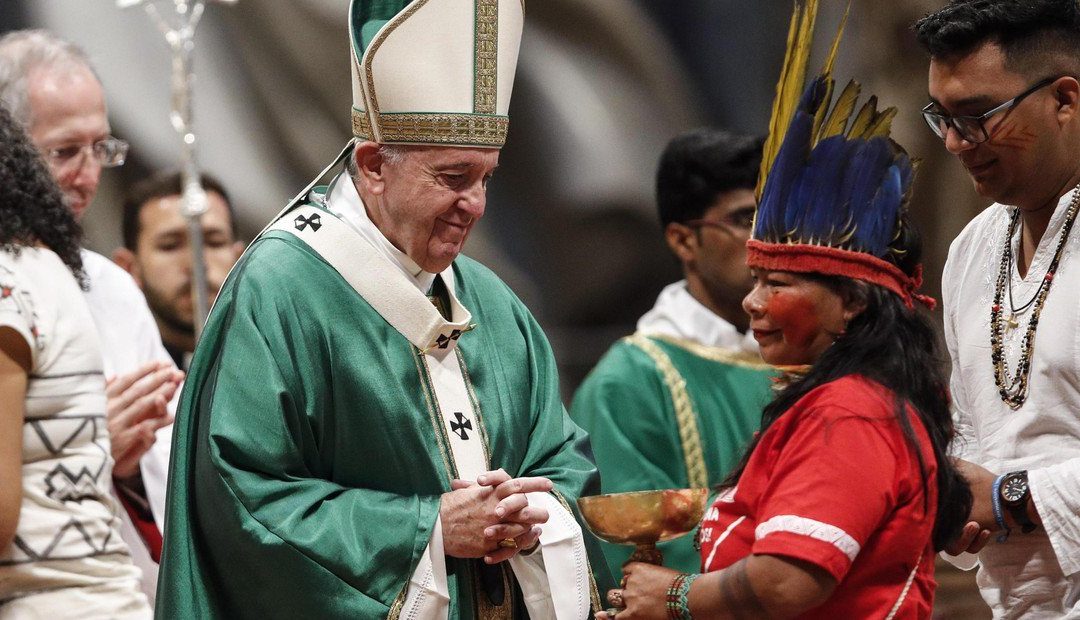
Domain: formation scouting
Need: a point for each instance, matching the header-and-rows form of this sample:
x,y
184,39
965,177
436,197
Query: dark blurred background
x,y
602,85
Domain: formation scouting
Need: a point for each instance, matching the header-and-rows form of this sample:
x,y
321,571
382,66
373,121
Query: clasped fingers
x,y
523,485
516,509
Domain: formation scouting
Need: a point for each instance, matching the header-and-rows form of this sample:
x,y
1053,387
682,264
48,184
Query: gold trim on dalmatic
x,y
685,416
430,399
485,609
486,57
399,603
718,354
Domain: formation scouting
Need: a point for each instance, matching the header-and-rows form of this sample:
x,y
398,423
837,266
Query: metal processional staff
x,y
181,39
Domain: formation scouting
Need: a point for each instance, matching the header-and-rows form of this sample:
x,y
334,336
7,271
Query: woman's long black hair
x,y
32,208
897,347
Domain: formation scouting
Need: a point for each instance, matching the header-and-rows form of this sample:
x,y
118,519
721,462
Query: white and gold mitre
x,y
434,71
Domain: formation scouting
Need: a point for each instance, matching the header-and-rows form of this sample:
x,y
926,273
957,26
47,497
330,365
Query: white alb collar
x,y
343,200
678,315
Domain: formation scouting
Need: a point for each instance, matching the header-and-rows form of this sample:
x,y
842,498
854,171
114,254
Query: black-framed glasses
x,y
973,128
740,219
109,152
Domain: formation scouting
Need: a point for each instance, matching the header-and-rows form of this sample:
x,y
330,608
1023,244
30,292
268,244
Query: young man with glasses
x,y
51,89
1005,99
673,405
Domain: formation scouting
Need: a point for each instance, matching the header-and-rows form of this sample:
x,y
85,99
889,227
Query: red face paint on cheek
x,y
796,317
1013,135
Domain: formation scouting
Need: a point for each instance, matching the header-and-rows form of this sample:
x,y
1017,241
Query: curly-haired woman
x,y
60,552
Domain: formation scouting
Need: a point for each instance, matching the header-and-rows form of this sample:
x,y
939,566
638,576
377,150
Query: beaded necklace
x,y
1014,392
1012,322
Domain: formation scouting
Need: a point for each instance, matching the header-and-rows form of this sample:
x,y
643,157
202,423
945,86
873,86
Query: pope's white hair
x,y
392,154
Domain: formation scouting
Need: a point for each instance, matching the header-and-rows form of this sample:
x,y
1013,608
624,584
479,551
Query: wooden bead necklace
x,y
1014,392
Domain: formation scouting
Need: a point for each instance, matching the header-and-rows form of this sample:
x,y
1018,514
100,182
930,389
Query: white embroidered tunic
x,y
68,535
130,339
1037,574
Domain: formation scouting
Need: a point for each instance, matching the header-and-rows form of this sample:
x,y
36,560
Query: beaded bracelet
x,y
678,604
672,599
995,503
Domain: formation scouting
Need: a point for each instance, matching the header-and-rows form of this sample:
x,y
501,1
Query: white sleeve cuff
x,y
428,597
555,580
1056,493
154,466
964,561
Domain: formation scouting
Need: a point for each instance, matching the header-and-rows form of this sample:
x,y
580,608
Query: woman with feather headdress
x,y
845,494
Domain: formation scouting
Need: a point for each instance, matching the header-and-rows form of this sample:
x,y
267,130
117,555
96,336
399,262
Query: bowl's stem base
x,y
647,553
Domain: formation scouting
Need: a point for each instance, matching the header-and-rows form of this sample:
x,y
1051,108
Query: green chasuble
x,y
667,414
308,462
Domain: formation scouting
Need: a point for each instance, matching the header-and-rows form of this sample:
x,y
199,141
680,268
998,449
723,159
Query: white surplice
x,y
678,315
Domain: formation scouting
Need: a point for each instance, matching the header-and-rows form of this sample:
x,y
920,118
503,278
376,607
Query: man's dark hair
x,y
698,166
162,185
32,208
1037,36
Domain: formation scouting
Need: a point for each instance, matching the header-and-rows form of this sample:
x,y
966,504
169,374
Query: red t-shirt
x,y
833,482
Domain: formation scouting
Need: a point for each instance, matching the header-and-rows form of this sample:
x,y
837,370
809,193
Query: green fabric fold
x,y
368,17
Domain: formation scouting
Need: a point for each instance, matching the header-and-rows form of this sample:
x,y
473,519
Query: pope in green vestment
x,y
355,366
308,463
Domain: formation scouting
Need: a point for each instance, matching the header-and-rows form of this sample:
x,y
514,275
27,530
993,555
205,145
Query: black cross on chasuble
x,y
315,222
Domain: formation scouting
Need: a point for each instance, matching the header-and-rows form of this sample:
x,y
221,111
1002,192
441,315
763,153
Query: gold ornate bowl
x,y
644,518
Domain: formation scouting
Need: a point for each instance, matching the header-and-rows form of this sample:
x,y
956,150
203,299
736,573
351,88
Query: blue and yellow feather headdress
x,y
833,186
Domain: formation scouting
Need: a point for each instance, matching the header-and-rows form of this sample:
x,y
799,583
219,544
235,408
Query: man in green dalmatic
x,y
371,426
675,404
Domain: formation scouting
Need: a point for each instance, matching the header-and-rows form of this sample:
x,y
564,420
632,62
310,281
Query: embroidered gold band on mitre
x,y
434,128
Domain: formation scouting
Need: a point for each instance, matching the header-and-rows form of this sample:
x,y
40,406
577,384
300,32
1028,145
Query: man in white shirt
x,y
1005,99
50,87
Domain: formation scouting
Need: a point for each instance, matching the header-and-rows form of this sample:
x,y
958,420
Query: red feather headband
x,y
805,258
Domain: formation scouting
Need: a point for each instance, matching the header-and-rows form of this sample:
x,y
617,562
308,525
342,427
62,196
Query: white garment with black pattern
x,y
67,535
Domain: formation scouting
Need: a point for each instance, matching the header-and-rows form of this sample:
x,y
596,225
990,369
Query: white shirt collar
x,y
343,200
1047,246
678,315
